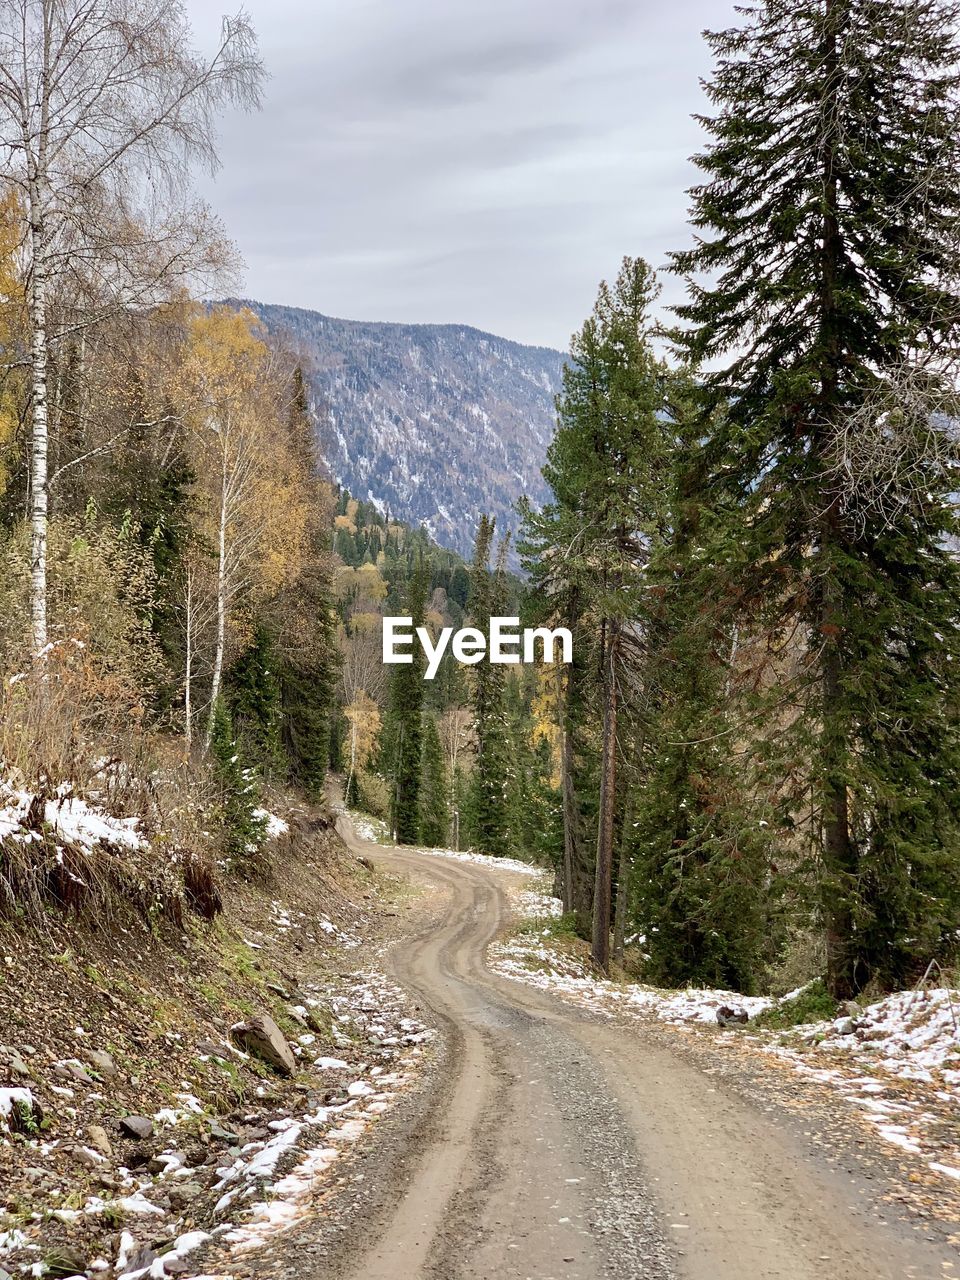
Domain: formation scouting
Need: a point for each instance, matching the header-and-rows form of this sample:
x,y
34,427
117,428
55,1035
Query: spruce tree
x,y
403,740
434,790
605,467
243,830
827,224
487,814
701,880
253,693
308,667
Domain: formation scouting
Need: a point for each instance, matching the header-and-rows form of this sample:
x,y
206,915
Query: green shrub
x,y
813,1003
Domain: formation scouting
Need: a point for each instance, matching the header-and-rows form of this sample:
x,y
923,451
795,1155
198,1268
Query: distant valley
x,y
433,423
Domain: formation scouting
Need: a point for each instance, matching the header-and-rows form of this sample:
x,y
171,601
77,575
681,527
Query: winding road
x,y
559,1145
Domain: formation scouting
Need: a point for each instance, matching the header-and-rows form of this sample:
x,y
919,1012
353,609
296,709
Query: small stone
x,y
183,1194
102,1063
16,1065
65,1262
319,1025
86,1156
729,1017
845,1027
72,1072
97,1137
214,1050
137,1126
261,1036
218,1131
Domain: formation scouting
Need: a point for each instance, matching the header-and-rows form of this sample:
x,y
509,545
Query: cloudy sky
x,y
478,161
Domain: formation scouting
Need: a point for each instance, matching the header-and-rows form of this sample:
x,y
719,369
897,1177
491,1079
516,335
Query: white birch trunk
x,y
38,303
40,440
221,604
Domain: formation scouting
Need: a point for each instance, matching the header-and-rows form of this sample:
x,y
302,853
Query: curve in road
x,y
562,1146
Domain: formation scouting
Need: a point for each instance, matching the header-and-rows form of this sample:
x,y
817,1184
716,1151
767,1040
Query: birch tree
x,y
104,107
232,403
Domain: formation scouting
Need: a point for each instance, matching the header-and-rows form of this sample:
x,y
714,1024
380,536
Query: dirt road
x,y
561,1146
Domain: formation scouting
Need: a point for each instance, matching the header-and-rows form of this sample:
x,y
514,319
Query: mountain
x,y
434,424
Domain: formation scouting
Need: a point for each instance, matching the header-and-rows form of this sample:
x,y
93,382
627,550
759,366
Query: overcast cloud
x,y
477,161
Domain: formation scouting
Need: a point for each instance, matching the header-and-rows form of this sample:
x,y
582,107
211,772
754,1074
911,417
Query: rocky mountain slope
x,y
433,423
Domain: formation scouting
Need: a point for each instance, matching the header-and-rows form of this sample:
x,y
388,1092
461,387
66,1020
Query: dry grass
x,y
70,728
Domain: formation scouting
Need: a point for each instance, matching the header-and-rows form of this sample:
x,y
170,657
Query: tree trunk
x,y
608,793
570,817
620,910
839,853
221,607
40,435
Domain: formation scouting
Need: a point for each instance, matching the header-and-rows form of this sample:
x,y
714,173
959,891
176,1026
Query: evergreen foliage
x,y
487,815
434,789
404,735
605,468
253,695
828,218
308,668
243,831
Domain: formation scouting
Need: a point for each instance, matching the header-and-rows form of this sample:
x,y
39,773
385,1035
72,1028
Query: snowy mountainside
x,y
433,423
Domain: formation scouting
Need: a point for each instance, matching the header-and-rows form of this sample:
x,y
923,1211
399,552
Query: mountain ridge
x,y
435,423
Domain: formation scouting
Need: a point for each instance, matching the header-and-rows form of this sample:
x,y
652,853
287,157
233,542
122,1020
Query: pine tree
x,y
605,468
828,221
308,670
243,830
253,695
487,816
434,791
403,740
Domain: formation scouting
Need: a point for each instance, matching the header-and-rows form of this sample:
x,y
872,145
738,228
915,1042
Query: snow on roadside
x,y
272,1182
368,828
897,1061
911,1034
375,830
484,860
529,959
259,1198
68,818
